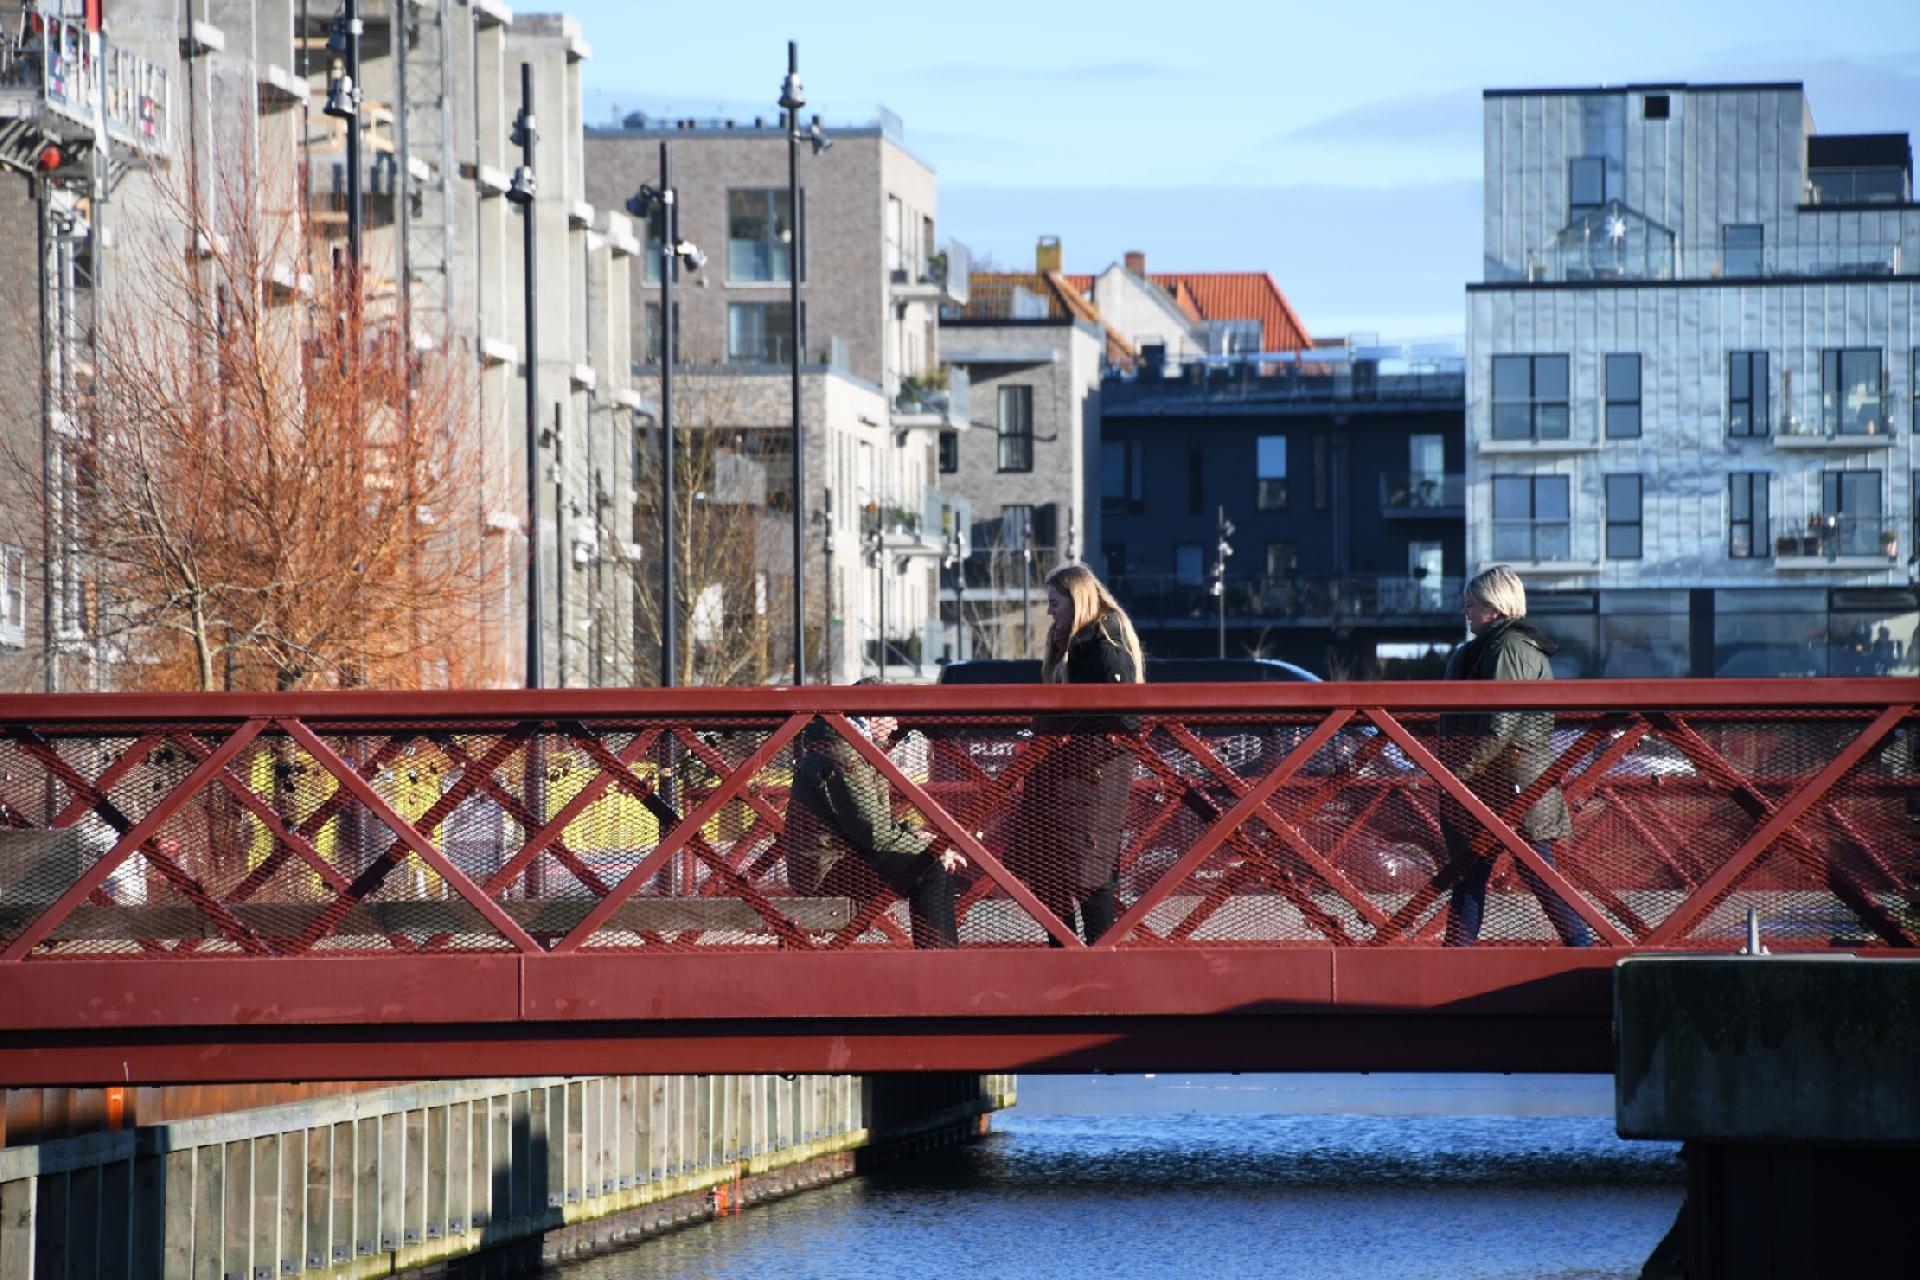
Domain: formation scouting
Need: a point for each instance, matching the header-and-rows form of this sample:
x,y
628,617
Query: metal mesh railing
x,y
1645,816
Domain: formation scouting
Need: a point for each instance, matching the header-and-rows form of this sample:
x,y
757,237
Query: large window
x,y
949,452
1122,477
761,332
1189,564
651,332
1747,515
1283,559
1743,250
1747,393
651,237
1530,398
1016,428
1850,505
759,237
13,597
1623,397
1270,473
1850,403
1196,481
1623,517
1586,185
1532,518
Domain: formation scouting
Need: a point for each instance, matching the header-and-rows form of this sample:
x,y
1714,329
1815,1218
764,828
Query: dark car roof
x,y
1159,671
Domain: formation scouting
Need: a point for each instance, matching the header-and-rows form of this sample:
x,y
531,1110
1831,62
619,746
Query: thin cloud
x,y
1452,116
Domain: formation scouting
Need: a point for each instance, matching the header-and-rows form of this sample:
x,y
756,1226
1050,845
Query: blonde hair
x,y
1092,604
1501,590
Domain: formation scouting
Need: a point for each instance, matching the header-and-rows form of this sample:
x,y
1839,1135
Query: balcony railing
x,y
1600,263
1837,537
78,86
1423,493
1836,416
942,278
1238,379
942,399
1164,600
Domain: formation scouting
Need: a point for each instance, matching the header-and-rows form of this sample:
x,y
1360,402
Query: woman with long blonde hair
x,y
1074,807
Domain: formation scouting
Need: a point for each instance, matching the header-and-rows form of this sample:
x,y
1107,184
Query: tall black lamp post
x,y
521,191
792,98
650,205
343,103
1222,549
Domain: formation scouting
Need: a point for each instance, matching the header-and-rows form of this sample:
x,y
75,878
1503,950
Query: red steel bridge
x,y
414,885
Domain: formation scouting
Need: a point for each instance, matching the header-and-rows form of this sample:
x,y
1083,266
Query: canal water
x,y
1316,1177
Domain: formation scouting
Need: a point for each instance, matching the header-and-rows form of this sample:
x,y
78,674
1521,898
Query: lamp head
x,y
641,203
690,254
792,96
818,137
343,98
521,189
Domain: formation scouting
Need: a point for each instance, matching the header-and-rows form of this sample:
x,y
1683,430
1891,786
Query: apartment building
x,y
1338,484
151,112
873,271
1034,350
1692,380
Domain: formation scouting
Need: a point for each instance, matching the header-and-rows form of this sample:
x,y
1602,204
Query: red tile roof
x,y
1226,295
1239,295
990,297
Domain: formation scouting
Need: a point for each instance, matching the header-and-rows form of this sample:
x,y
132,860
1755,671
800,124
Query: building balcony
x,y
1836,422
901,525
1406,496
941,279
62,86
1816,542
1163,600
1600,259
933,402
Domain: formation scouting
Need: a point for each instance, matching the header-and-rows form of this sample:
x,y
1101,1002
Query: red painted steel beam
x,y
552,706
1395,1042
423,1016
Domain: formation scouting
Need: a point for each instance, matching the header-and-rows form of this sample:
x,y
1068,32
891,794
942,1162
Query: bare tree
x,y
258,486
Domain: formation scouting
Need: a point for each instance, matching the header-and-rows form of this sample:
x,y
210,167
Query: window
x,y
1586,185
761,332
13,597
1850,505
1270,473
1196,481
759,237
1114,556
1016,525
1531,518
1189,564
1530,398
1747,515
1321,473
1850,402
1742,250
1623,517
1016,428
1656,106
1747,393
650,326
949,452
1122,477
1283,559
1623,397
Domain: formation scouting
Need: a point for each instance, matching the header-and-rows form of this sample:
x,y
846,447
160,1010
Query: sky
x,y
1335,145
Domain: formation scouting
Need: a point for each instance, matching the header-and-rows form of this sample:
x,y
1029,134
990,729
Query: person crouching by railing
x,y
840,803
1499,754
1073,813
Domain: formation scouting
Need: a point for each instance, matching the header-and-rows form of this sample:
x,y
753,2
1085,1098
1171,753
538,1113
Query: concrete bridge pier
x,y
1794,1082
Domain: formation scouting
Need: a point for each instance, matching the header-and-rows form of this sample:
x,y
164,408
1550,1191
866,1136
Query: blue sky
x,y
1335,145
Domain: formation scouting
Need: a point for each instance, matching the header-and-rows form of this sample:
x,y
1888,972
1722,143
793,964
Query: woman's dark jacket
x,y
1075,807
1504,751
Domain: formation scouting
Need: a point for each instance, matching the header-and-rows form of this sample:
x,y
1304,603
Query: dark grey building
x,y
1342,478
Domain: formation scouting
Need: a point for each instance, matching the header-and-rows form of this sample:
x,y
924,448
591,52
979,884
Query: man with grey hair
x,y
1499,754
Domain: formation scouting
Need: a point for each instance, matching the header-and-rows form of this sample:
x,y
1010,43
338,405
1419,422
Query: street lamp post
x,y
1222,549
957,559
792,98
648,204
343,103
521,192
